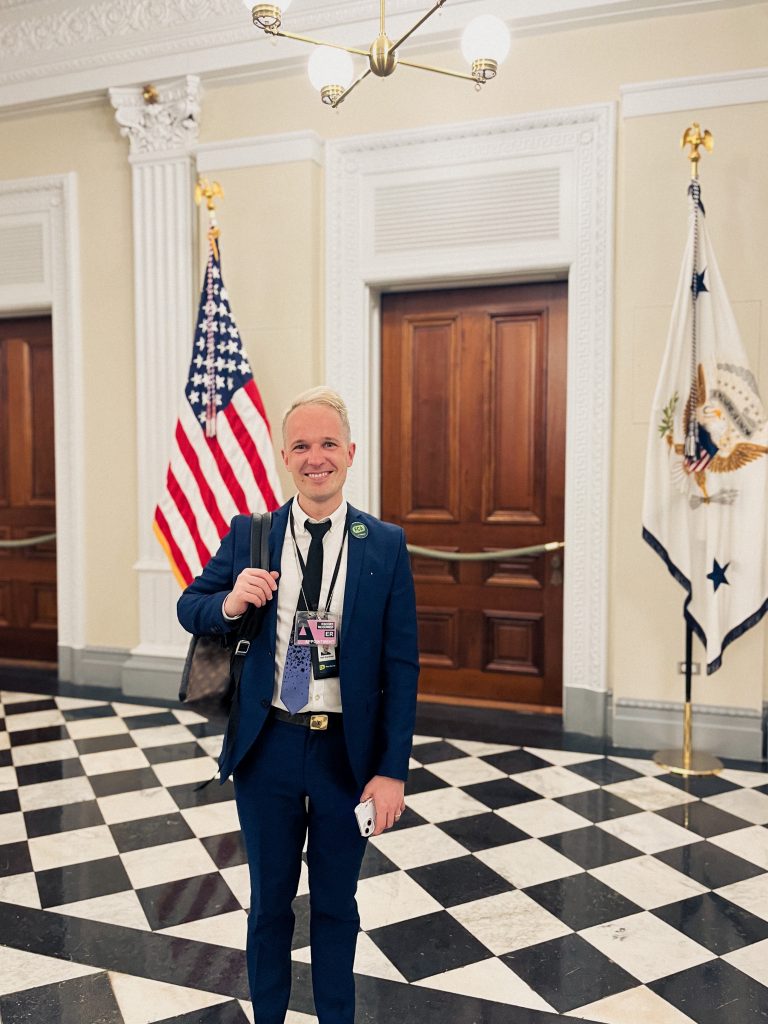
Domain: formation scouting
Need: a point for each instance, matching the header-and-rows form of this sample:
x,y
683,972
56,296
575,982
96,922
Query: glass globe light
x,y
485,44
330,72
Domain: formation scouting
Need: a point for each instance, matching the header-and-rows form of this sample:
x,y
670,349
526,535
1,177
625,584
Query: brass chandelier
x,y
485,44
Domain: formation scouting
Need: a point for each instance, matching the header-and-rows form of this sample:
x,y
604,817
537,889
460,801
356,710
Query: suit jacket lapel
x,y
356,550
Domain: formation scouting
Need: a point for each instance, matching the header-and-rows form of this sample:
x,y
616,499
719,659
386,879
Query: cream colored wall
x,y
271,220
87,141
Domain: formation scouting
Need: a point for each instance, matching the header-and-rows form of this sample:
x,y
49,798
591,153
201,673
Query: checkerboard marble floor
x,y
522,884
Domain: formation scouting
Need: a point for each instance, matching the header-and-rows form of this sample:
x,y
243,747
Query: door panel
x,y
28,616
473,459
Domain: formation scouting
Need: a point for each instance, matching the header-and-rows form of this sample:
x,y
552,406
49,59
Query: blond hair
x,y
321,395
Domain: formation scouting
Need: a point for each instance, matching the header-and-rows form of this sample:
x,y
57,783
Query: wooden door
x,y
27,490
473,459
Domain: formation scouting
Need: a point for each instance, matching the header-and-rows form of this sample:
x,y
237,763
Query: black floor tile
x,y
409,819
9,802
96,711
200,729
222,1013
512,761
708,864
459,880
375,863
5,759
150,721
603,771
501,793
174,752
428,945
14,859
24,737
124,782
700,786
439,750
420,780
187,796
715,923
581,901
190,899
301,927
704,819
715,993
89,998
66,818
482,831
226,850
24,707
98,744
144,832
569,972
49,771
597,805
590,847
77,882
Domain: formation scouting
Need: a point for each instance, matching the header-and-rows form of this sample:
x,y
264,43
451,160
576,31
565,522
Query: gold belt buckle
x,y
318,722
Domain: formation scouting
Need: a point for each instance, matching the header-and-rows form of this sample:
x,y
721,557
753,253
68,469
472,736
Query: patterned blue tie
x,y
294,691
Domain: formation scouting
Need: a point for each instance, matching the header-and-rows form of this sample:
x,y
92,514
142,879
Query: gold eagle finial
x,y
694,137
209,191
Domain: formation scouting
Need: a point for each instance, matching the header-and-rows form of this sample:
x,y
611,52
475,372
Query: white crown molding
x,y
53,201
581,142
666,96
287,147
81,47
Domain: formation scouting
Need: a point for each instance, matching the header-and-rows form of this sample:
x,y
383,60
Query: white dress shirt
x,y
324,694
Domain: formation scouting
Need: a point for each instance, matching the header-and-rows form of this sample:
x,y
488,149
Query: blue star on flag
x,y
697,284
718,574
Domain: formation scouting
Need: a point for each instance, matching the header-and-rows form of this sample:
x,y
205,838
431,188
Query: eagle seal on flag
x,y
706,486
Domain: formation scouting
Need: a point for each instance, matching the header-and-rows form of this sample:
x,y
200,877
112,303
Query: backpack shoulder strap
x,y
260,526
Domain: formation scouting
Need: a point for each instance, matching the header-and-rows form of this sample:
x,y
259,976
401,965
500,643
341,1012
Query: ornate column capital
x,y
159,119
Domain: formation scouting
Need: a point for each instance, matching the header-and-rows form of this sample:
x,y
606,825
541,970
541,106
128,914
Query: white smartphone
x,y
366,817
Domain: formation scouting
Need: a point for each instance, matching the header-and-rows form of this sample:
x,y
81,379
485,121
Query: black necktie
x,y
294,691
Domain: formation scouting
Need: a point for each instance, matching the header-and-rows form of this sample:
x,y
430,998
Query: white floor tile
x,y
394,896
161,736
746,779
418,738
167,863
641,765
649,794
371,961
750,894
74,847
8,779
179,773
248,1011
554,781
648,882
508,921
744,803
464,771
562,757
422,844
55,794
76,703
142,1001
121,908
528,863
646,947
543,818
214,819
87,728
635,1006
294,1017
16,697
649,832
20,970
749,843
5,740
238,880
187,717
105,761
751,960
134,710
489,979
477,749
223,930
143,803
33,720
39,753
12,828
211,745
445,804
20,889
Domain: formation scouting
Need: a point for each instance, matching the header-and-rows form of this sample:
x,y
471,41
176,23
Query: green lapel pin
x,y
359,530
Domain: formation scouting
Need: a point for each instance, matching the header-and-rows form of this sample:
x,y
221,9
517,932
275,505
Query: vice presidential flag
x,y
706,487
222,461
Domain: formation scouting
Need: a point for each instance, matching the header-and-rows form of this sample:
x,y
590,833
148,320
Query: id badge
x,y
313,631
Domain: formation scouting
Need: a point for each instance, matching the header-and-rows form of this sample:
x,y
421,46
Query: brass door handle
x,y
556,571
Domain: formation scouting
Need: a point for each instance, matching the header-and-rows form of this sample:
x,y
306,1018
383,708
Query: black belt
x,y
315,722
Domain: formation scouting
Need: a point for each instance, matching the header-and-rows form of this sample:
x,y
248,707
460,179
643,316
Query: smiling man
x,y
327,703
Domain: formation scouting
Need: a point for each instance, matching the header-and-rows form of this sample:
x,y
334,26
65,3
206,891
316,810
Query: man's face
x,y
317,455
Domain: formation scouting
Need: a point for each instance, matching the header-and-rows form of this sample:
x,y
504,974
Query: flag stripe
x,y
179,562
209,502
251,453
262,435
186,513
226,472
255,396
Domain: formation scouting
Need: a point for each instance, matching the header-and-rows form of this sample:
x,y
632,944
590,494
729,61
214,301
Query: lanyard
x,y
303,567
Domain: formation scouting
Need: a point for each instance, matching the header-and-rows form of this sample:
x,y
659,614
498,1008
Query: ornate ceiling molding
x,y
169,121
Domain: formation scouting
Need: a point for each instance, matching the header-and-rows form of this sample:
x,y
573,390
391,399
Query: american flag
x,y
222,460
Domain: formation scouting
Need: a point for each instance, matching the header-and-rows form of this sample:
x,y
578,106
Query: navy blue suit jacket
x,y
379,663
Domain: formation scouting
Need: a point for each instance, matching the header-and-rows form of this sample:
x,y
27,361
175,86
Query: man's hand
x,y
252,586
387,798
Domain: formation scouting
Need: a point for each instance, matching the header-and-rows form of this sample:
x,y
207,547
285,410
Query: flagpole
x,y
686,761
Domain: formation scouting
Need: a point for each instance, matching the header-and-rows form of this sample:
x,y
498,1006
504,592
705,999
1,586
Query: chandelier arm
x,y
381,16
440,71
349,89
320,42
438,4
